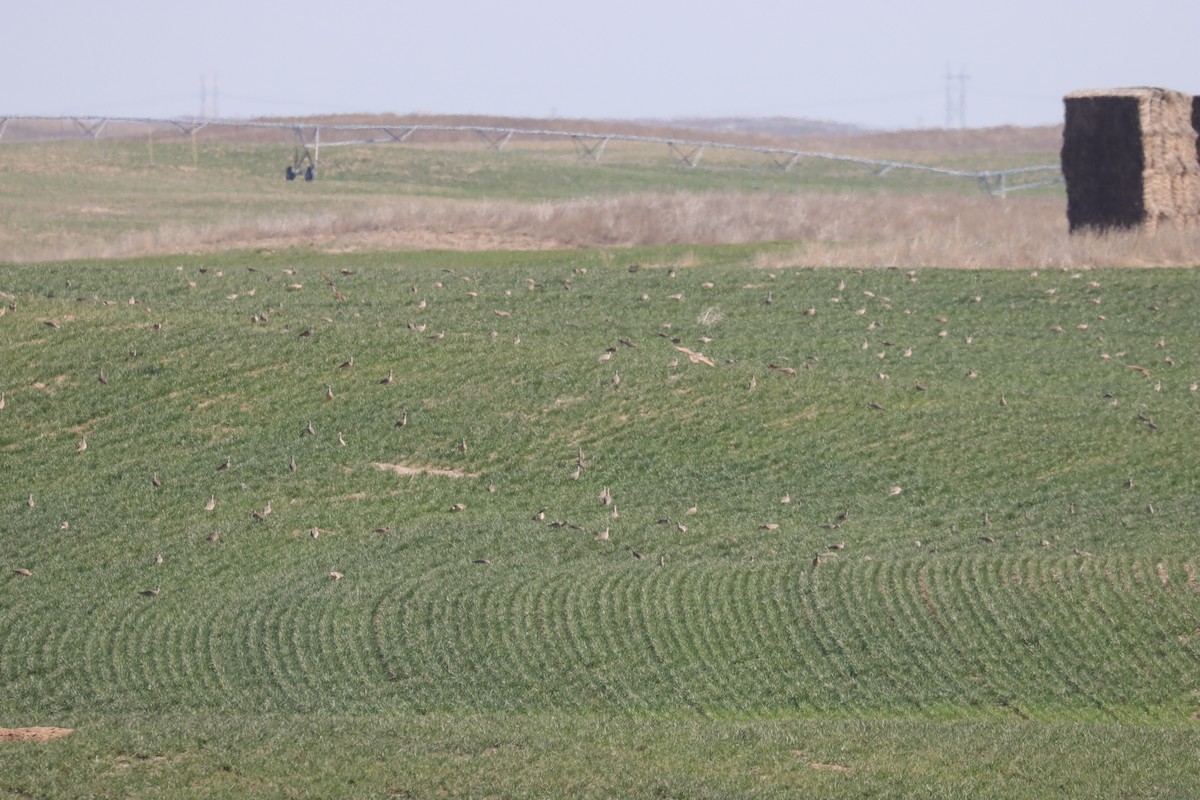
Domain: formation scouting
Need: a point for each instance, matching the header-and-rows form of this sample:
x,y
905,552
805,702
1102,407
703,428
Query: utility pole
x,y
208,97
956,101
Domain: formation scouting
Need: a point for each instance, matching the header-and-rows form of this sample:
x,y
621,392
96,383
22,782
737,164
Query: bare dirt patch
x,y
33,734
407,470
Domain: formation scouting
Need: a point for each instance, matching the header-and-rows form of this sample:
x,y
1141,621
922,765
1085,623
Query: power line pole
x,y
208,97
956,102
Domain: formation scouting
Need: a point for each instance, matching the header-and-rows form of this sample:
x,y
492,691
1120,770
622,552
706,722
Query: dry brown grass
x,y
829,230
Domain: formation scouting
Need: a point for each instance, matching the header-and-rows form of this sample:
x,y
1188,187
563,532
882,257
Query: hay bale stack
x,y
1131,159
1196,123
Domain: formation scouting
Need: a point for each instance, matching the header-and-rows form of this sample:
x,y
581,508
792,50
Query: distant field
x,y
161,193
989,468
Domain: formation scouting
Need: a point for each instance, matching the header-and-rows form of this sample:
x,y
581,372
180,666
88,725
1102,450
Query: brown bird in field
x,y
347,364
341,439
816,562
102,378
681,527
638,556
225,465
786,499
987,540
616,379
2,402
462,447
64,525
575,475
211,504
151,592
769,526
292,464
335,575
30,502
155,481
310,430
328,392
387,380
540,515
22,571
81,446
458,507
691,512
605,496
158,559
602,536
400,423
483,562
1082,553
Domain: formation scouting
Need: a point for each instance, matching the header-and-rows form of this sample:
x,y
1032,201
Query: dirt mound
x,y
33,734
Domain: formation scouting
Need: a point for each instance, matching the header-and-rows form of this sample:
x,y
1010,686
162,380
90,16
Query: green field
x,y
136,198
1003,512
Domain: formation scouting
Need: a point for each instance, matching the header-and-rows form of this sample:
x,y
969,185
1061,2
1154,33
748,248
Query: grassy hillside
x,y
988,468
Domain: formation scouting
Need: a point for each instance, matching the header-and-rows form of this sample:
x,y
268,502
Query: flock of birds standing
x,y
608,355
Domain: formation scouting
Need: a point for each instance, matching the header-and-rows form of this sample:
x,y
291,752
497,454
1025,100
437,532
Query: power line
x,y
956,102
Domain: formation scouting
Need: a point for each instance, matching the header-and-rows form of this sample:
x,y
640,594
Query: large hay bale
x,y
1131,159
1196,123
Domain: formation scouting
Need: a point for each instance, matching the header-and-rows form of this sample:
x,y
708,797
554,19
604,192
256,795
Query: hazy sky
x,y
879,63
